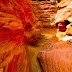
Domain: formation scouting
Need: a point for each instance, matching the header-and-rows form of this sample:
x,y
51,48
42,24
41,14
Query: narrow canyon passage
x,y
45,12
36,36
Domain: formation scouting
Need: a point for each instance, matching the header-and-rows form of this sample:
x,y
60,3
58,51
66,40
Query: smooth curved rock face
x,y
19,63
13,57
16,21
56,56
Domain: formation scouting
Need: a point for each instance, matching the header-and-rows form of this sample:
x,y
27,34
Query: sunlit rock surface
x,y
63,20
69,29
64,12
56,53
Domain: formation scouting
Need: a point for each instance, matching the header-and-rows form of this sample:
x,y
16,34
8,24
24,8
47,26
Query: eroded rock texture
x,y
45,12
56,56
